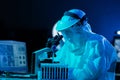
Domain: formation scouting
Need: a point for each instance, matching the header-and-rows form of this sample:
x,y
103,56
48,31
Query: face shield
x,y
70,18
68,24
65,26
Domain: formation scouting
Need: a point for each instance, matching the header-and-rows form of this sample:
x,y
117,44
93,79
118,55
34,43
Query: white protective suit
x,y
96,60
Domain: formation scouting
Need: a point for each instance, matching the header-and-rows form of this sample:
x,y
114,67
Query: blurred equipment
x,y
116,43
118,32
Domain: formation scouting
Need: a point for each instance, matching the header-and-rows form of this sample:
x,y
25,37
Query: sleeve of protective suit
x,y
111,60
94,60
99,61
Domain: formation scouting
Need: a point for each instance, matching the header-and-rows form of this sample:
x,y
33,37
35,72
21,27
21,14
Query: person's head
x,y
73,22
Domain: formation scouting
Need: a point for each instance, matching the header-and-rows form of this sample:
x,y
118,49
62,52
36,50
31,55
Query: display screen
x,y
13,57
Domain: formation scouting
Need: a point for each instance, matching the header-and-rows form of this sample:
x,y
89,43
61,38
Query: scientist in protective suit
x,y
89,55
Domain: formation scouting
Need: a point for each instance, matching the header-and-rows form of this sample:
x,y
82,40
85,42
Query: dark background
x,y
31,21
